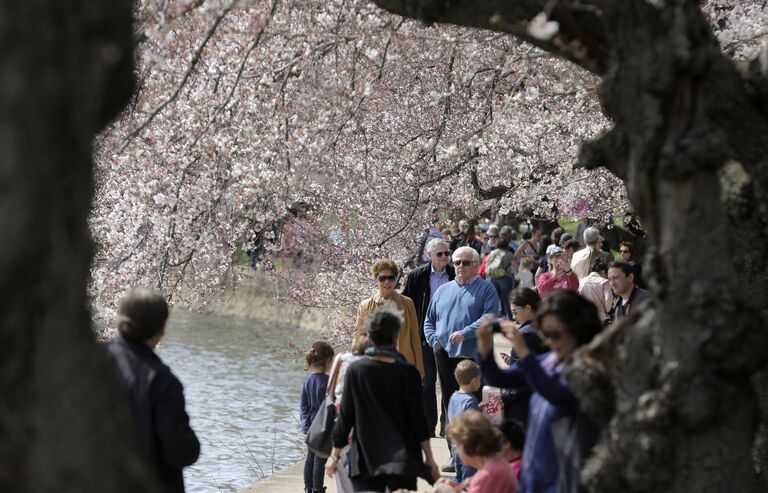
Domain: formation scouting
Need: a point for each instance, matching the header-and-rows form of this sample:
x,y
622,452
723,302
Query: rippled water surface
x,y
242,383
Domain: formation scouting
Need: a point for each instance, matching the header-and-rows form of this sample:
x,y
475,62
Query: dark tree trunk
x,y
65,70
690,139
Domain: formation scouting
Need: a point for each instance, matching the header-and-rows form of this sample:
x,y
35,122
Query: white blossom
x,y
540,27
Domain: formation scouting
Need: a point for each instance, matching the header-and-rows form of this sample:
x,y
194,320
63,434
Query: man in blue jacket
x,y
454,314
154,395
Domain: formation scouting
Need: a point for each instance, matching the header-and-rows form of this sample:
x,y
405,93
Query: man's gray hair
x,y
467,249
436,242
591,235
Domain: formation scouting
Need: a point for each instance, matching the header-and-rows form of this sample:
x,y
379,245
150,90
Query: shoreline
x,y
254,297
291,478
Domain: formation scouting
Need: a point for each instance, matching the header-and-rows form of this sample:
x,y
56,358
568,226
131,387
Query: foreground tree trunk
x,y
65,70
689,138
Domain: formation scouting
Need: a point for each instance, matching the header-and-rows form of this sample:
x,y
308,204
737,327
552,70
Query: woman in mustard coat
x,y
409,343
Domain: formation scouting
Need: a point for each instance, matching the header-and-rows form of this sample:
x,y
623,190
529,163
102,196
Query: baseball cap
x,y
554,250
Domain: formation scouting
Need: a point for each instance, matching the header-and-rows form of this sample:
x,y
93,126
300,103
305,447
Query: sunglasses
x,y
442,254
462,262
386,278
625,251
552,335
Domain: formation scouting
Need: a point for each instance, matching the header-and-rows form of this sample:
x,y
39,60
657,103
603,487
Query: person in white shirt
x,y
524,275
582,261
596,288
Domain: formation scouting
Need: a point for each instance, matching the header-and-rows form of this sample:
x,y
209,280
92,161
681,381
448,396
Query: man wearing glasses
x,y
421,284
455,312
493,241
627,254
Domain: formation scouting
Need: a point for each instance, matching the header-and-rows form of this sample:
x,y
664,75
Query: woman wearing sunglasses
x,y
567,321
385,274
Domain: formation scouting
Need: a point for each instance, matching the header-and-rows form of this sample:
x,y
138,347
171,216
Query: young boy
x,y
468,377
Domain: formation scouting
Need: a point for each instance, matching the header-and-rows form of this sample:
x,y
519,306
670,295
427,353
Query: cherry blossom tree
x,y
688,134
376,121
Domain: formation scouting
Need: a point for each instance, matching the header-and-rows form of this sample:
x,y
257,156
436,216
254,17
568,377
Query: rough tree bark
x,y
689,138
65,71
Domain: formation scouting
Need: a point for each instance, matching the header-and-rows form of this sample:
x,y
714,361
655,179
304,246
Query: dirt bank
x,y
255,297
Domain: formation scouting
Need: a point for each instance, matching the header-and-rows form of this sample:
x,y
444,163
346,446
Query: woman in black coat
x,y
382,404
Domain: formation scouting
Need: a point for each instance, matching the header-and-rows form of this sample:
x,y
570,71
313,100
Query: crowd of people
x,y
548,295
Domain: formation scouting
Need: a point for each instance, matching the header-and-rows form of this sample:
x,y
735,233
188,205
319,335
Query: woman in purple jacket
x,y
567,321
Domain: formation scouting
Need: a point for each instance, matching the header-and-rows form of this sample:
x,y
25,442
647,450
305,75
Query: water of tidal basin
x,y
242,383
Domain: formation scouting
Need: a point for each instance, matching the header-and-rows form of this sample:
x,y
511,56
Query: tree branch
x,y
581,38
185,78
609,151
495,192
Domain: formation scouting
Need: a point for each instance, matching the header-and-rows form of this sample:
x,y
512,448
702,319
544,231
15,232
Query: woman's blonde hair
x,y
474,431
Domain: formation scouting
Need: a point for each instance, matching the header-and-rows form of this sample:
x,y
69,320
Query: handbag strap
x,y
334,377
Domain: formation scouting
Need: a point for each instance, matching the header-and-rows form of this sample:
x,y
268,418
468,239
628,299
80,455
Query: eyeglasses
x,y
552,335
462,262
625,251
386,278
442,254
493,236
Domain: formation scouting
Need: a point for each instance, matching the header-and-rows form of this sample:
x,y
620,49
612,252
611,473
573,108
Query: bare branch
x,y
581,38
185,78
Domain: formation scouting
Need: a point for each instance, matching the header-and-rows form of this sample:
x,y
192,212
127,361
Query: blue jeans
x,y
463,471
314,471
504,285
428,387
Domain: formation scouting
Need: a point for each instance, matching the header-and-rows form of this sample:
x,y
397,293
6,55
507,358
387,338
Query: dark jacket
x,y
417,288
156,400
312,397
461,240
619,311
382,404
516,400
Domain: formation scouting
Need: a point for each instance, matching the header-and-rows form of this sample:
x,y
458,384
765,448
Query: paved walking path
x,y
291,479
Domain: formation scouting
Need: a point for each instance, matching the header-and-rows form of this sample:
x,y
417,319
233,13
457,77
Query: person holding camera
x,y
559,276
567,321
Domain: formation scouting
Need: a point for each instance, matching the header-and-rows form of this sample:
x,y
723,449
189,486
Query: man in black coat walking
x,y
419,286
154,394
